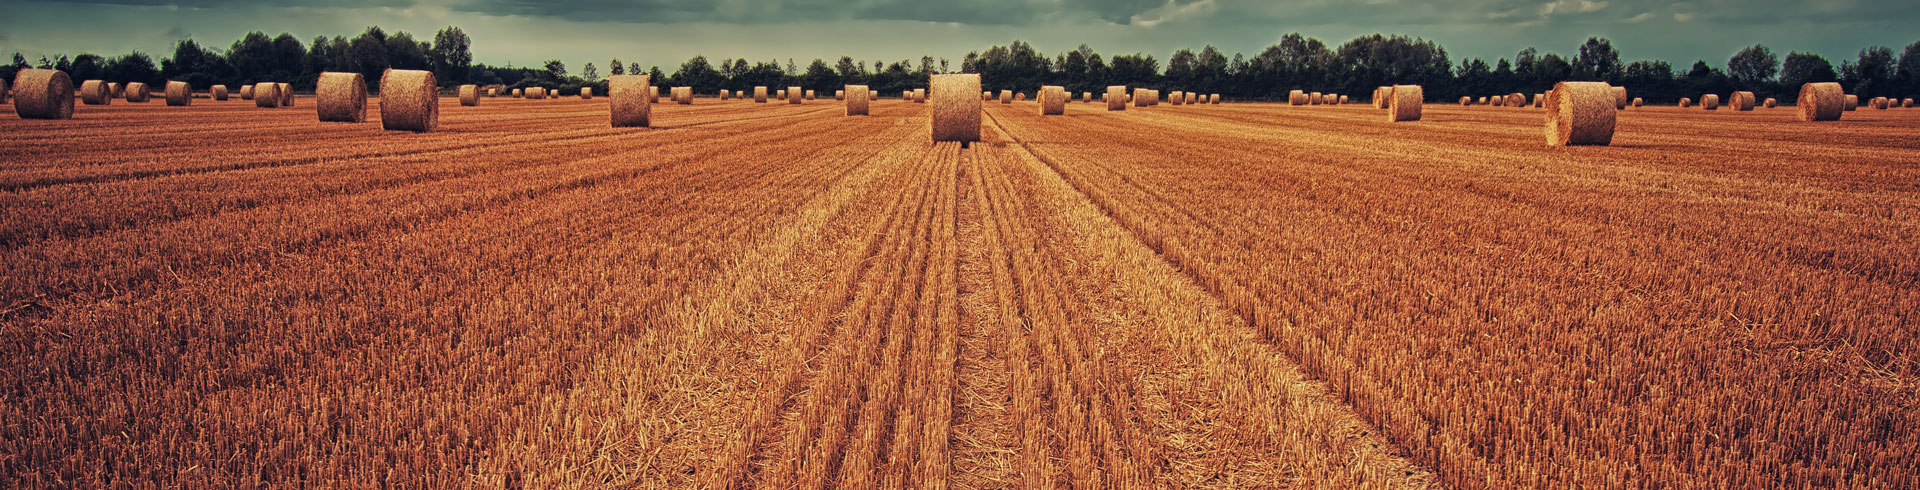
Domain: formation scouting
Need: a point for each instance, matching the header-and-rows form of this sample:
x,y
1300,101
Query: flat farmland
x,y
779,296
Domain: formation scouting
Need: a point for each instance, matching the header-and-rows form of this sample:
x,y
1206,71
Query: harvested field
x,y
1249,295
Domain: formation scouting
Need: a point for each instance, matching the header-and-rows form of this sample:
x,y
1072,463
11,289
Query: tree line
x,y
1295,62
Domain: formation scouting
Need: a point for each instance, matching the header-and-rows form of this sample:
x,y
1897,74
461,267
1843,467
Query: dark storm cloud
x,y
972,12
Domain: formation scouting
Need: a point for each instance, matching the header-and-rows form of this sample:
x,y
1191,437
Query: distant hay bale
x,y
654,98
1880,103
218,92
1380,97
1582,113
1637,102
1686,102
1822,101
6,96
1405,105
1006,96
1053,100
1852,102
136,91
266,95
95,92
1116,97
409,101
1907,102
1296,97
1315,98
40,93
286,94
1620,99
1465,101
760,94
586,92
1741,101
1343,100
920,96
632,105
1540,100
956,115
840,95
1020,96
809,95
342,97
179,93
725,95
493,92
858,99
986,96
682,95
1516,99
469,95
793,95
1710,101
780,94
518,93
1176,97
1140,97
1213,99
118,91
1482,101
1770,103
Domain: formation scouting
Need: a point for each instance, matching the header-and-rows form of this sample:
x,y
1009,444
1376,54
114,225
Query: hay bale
x,y
920,96
1142,97
179,93
6,95
492,92
725,94
1822,101
1296,97
1770,103
40,93
1685,102
1006,96
136,91
1637,102
840,94
858,99
682,95
956,115
1053,100
519,93
1086,97
95,92
219,92
1582,113
1213,99
1405,105
1343,100
469,95
654,98
809,95
1880,103
118,91
1379,99
409,100
1020,96
1710,102
1516,99
986,96
793,95
1464,100
1906,102
1315,98
780,95
586,93
342,97
1482,101
1620,99
1116,97
266,95
1176,97
286,94
760,94
632,105
1852,102
1742,101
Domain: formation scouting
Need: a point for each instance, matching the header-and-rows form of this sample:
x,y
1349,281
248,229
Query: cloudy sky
x,y
666,32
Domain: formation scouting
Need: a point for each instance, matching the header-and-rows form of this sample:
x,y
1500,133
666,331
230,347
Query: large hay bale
x,y
286,94
409,100
1741,101
1053,100
469,95
1296,97
179,93
1116,97
95,92
1405,105
760,94
858,99
136,91
1582,113
1620,99
632,105
40,93
956,115
219,92
793,95
586,93
1710,101
1822,101
342,97
266,94
1852,102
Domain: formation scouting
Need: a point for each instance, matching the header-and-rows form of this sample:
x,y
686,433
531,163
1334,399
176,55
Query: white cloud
x,y
1571,7
1172,12
1682,16
1643,17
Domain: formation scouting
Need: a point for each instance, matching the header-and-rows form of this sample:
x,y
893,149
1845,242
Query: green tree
x,y
1804,68
451,55
615,68
1597,61
1754,66
1871,74
555,69
590,72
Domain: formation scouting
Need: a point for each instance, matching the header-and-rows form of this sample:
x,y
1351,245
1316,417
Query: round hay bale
x,y
1380,97
858,99
780,94
1822,101
1117,97
1516,99
1539,100
956,115
793,95
1020,96
136,91
40,93
1465,101
266,94
95,92
840,94
1907,102
1296,97
1315,98
1213,99
1343,100
682,95
1770,103
1710,101
919,96
986,96
1742,101
1482,101
219,92
1637,102
469,95
725,94
1176,97
1582,113
1620,99
1852,102
493,92
1006,96
760,94
632,105
286,94
519,93
179,94
1053,100
409,101
809,94
342,97
1405,105
586,93
654,98
1880,103
1141,97
118,91
1686,102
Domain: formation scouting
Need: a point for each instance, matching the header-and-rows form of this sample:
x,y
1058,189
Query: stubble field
x,y
779,296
